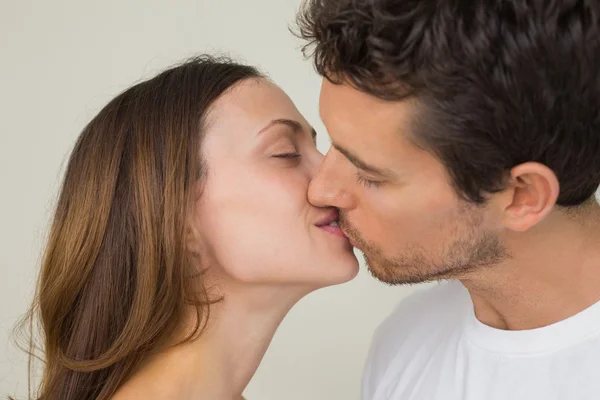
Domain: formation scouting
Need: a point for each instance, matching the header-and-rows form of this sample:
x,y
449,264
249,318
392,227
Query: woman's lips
x,y
334,230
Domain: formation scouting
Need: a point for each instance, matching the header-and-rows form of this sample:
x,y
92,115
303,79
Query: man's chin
x,y
379,271
394,274
397,274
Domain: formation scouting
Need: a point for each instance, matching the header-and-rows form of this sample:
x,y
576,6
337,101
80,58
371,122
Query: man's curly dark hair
x,y
499,82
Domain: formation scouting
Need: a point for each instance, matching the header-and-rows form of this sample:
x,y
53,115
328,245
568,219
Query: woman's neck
x,y
221,361
242,328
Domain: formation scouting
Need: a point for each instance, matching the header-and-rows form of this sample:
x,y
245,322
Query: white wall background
x,y
61,61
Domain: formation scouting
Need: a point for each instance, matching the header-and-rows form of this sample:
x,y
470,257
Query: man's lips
x,y
353,242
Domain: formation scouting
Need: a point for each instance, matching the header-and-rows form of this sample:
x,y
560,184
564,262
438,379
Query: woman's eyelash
x,y
287,155
366,182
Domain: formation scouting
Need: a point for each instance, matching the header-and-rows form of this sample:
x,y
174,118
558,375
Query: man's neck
x,y
553,273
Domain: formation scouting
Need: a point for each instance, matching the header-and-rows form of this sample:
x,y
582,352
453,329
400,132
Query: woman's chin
x,y
337,273
351,271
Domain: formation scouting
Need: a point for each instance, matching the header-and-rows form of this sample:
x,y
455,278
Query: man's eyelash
x,y
366,182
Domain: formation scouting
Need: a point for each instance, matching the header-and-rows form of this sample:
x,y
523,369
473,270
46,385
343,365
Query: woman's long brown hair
x,y
116,280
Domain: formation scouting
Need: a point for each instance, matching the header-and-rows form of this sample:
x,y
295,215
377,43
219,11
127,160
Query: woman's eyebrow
x,y
295,125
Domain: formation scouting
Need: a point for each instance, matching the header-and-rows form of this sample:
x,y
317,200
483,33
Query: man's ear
x,y
531,195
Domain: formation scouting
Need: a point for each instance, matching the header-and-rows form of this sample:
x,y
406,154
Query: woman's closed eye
x,y
288,158
285,149
288,155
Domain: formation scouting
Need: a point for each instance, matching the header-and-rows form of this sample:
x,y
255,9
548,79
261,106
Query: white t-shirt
x,y
433,347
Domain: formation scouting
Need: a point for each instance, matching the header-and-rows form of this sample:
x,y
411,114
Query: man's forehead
x,y
373,131
346,107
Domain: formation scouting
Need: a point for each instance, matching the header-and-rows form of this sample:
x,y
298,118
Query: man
x,y
466,149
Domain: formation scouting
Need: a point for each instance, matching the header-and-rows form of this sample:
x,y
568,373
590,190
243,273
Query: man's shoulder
x,y
422,319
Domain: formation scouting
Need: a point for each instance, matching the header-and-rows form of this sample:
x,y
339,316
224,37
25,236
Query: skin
x,y
526,262
257,239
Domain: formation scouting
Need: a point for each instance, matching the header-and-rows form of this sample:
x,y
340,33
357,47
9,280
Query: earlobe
x,y
192,240
533,192
190,244
192,235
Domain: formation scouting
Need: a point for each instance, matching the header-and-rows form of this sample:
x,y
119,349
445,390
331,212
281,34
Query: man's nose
x,y
327,187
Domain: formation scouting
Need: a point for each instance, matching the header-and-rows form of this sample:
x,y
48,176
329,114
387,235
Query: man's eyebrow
x,y
295,125
360,164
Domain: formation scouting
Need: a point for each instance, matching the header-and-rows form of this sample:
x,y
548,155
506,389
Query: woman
x,y
181,239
